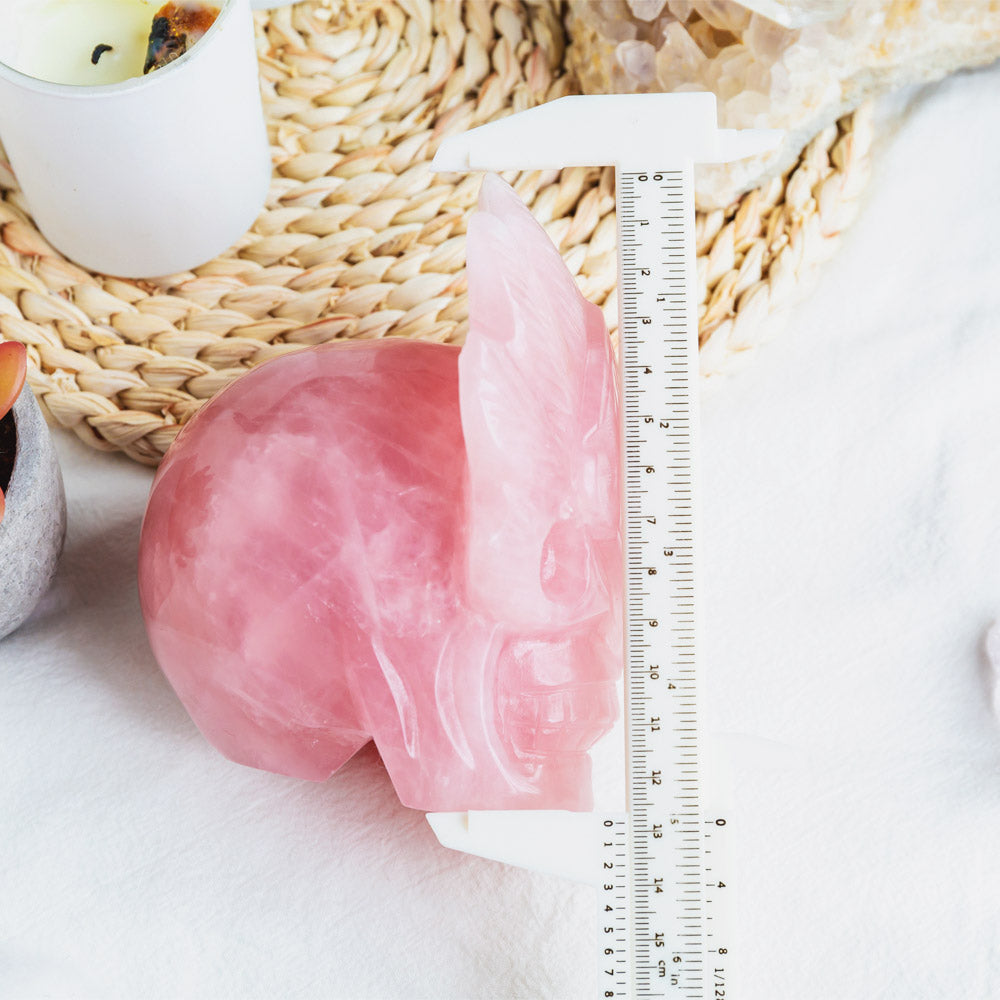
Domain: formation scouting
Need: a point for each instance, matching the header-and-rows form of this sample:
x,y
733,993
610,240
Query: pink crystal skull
x,y
393,540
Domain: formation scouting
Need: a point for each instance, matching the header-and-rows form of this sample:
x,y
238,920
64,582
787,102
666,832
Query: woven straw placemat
x,y
360,239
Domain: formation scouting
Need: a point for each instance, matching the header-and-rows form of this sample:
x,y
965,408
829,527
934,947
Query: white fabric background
x,y
852,563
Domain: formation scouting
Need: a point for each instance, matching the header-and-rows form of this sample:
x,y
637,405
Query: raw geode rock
x,y
826,59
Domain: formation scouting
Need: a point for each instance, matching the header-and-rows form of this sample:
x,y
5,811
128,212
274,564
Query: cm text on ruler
x,y
665,885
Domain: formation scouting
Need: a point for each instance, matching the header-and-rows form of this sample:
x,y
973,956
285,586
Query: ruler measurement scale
x,y
661,851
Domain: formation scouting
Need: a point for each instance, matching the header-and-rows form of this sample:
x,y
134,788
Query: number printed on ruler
x,y
668,844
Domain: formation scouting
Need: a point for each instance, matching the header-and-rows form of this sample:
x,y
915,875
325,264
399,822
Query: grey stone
x,y
34,526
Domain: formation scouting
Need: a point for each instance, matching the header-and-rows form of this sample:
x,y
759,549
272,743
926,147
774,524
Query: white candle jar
x,y
150,176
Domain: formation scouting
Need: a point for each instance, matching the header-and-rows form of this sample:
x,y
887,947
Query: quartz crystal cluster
x,y
796,65
393,540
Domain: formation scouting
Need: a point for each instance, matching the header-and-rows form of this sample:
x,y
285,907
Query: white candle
x,y
83,42
148,176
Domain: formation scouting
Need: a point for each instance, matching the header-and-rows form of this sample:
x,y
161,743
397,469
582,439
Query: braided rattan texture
x,y
360,239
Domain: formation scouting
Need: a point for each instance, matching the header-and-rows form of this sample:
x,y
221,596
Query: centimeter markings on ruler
x,y
661,897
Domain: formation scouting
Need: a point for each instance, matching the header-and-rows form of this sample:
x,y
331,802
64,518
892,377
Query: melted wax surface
x,y
398,541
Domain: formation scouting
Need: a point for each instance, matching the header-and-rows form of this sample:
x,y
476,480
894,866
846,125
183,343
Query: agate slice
x,y
400,542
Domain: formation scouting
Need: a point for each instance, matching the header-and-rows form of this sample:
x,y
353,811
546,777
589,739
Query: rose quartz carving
x,y
392,540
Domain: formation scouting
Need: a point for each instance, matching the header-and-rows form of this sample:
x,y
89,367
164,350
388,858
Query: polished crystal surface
x,y
393,540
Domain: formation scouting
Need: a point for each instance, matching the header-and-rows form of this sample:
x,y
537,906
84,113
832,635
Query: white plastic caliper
x,y
651,847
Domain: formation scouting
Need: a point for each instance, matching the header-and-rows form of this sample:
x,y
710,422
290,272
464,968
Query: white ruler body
x,y
667,886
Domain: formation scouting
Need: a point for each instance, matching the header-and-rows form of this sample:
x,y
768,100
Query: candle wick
x,y
99,51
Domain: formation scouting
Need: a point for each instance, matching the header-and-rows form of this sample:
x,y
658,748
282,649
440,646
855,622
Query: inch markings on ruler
x,y
663,855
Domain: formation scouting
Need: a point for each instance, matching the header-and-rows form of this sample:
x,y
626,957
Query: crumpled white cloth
x,y
850,489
